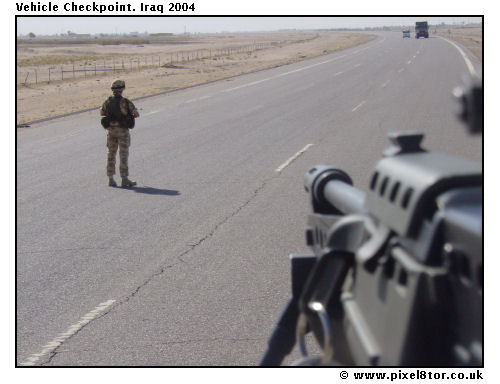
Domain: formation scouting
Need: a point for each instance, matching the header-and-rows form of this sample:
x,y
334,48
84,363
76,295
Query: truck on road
x,y
421,29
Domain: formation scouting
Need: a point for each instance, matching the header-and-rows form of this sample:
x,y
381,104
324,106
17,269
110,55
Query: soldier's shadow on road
x,y
154,191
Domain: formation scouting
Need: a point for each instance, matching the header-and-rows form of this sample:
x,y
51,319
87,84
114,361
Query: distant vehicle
x,y
421,29
406,33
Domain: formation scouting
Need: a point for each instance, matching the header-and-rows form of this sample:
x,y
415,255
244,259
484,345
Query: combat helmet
x,y
118,85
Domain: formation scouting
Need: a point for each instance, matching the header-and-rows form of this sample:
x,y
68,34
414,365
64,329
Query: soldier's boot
x,y
112,182
127,183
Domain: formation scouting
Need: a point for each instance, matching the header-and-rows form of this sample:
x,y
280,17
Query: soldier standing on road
x,y
119,114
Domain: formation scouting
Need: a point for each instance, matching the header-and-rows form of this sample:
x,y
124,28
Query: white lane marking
x,y
61,338
249,84
197,99
468,63
357,106
302,69
339,73
357,65
385,84
293,158
401,70
409,61
283,74
311,66
184,102
151,113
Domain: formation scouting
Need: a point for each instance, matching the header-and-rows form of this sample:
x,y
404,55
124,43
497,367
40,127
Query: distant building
x,y
79,35
160,34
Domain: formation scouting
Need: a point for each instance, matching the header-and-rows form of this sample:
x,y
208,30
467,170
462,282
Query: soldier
x,y
119,113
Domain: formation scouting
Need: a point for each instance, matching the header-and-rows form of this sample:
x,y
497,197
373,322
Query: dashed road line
x,y
358,106
248,84
197,99
293,158
151,113
385,84
61,338
282,74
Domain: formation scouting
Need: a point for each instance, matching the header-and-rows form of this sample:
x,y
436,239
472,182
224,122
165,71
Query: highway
x,y
191,267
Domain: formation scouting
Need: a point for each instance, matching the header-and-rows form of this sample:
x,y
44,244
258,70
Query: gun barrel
x,y
344,197
331,189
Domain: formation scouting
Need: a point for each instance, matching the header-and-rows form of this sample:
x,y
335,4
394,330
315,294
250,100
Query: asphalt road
x,y
191,266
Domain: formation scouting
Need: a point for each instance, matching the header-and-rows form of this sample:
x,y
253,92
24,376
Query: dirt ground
x,y
42,100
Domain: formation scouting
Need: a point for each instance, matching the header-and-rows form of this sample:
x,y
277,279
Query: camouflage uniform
x,y
118,137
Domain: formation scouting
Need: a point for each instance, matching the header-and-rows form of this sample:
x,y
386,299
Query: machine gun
x,y
396,277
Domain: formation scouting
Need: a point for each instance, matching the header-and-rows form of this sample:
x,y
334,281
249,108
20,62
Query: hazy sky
x,y
204,24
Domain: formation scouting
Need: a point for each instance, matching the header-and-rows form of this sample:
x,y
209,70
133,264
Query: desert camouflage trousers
x,y
118,138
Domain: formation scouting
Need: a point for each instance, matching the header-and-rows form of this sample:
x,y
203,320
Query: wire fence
x,y
78,70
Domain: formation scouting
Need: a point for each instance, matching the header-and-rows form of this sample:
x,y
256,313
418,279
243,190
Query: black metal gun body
x,y
396,278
